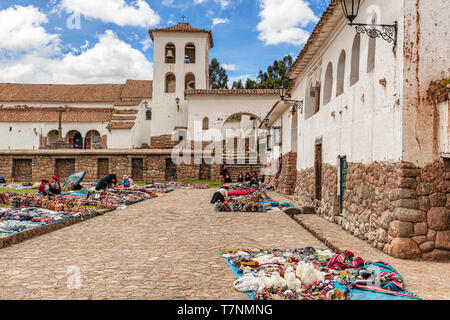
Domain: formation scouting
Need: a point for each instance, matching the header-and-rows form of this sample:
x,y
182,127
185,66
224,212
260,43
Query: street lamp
x,y
388,32
292,102
177,100
283,92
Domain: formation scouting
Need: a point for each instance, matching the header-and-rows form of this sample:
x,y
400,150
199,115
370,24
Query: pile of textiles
x,y
310,274
241,206
115,198
16,220
36,200
246,201
177,185
23,186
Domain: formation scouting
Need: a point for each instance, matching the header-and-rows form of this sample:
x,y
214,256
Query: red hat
x,y
55,178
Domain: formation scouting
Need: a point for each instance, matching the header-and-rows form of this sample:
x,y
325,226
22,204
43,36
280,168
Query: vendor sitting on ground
x,y
227,178
248,176
240,177
55,186
106,182
219,196
42,189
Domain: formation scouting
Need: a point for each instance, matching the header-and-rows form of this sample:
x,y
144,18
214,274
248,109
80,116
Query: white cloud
x,y
21,30
110,61
282,21
146,44
217,21
229,67
223,3
137,14
243,78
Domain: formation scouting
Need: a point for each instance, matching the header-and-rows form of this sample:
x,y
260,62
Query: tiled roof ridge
x,y
232,91
76,93
312,38
182,27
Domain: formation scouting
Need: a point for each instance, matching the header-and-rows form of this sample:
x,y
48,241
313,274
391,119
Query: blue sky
x,y
107,41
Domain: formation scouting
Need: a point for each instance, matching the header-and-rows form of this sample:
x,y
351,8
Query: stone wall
x,y
285,181
396,207
154,165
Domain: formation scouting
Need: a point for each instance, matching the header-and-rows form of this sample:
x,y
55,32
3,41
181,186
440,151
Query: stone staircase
x,y
239,160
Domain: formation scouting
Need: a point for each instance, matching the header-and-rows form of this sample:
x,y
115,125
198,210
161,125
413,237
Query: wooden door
x,y
22,170
78,141
343,182
137,169
205,171
318,169
102,168
64,168
171,170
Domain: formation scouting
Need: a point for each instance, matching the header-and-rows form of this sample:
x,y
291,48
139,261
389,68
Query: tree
x,y
218,78
237,85
274,77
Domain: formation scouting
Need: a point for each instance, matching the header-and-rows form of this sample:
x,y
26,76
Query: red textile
x,y
42,188
240,192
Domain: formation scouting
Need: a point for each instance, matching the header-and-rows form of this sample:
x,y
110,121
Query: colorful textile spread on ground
x,y
15,220
36,210
177,185
22,186
311,274
248,201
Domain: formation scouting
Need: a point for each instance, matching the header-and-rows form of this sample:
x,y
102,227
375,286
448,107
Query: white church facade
x,y
138,114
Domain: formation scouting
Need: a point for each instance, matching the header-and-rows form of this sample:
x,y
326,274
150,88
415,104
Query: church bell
x,y
170,54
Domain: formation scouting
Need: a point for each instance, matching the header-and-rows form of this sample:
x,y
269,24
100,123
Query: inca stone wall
x,y
284,182
398,208
154,166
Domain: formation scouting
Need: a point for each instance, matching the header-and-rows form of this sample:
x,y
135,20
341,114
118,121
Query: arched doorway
x,y
75,139
93,140
240,138
52,137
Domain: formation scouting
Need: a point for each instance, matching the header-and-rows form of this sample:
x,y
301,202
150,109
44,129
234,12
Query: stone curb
x,y
316,234
310,228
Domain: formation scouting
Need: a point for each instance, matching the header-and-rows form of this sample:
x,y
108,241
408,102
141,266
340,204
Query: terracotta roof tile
x,y
120,125
72,115
125,111
183,27
127,103
123,118
130,94
271,92
137,89
332,10
88,93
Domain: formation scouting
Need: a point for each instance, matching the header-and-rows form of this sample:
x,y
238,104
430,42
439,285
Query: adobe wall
x,y
399,208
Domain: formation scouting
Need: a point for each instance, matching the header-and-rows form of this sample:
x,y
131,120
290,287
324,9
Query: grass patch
x,y
212,184
21,191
